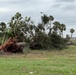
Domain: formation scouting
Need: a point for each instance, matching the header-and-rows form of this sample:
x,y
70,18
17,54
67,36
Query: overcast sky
x,y
63,11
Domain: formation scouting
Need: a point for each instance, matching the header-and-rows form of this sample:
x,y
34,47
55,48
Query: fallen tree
x,y
11,46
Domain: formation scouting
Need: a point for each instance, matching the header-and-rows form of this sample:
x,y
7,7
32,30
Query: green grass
x,y
61,62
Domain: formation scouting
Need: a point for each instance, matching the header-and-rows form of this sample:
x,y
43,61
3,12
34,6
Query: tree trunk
x,y
50,27
62,34
71,35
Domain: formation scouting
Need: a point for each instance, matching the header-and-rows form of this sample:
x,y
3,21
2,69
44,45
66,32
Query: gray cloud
x,y
57,5
65,0
69,7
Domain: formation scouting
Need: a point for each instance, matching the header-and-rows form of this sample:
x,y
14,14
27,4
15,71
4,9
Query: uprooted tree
x,y
11,46
17,27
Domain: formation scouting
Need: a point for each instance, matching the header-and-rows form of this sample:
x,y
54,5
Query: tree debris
x,y
11,46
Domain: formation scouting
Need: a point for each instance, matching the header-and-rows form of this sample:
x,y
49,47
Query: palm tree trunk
x,y
71,35
50,27
62,34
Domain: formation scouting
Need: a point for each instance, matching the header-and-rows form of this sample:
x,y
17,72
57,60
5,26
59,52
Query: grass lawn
x,y
53,62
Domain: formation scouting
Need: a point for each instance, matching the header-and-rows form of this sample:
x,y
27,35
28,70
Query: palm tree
x,y
18,26
2,29
51,18
2,26
45,19
56,26
46,22
15,23
62,28
72,31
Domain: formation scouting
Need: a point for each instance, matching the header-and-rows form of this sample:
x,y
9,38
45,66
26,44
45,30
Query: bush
x,y
57,42
43,41
40,41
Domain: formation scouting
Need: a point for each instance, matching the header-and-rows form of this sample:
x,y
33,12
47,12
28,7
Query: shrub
x,y
43,41
40,41
57,42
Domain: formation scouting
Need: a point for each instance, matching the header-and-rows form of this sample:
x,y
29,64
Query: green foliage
x,y
56,26
21,27
51,18
1,34
39,36
45,19
62,28
72,31
40,41
43,41
2,26
57,42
